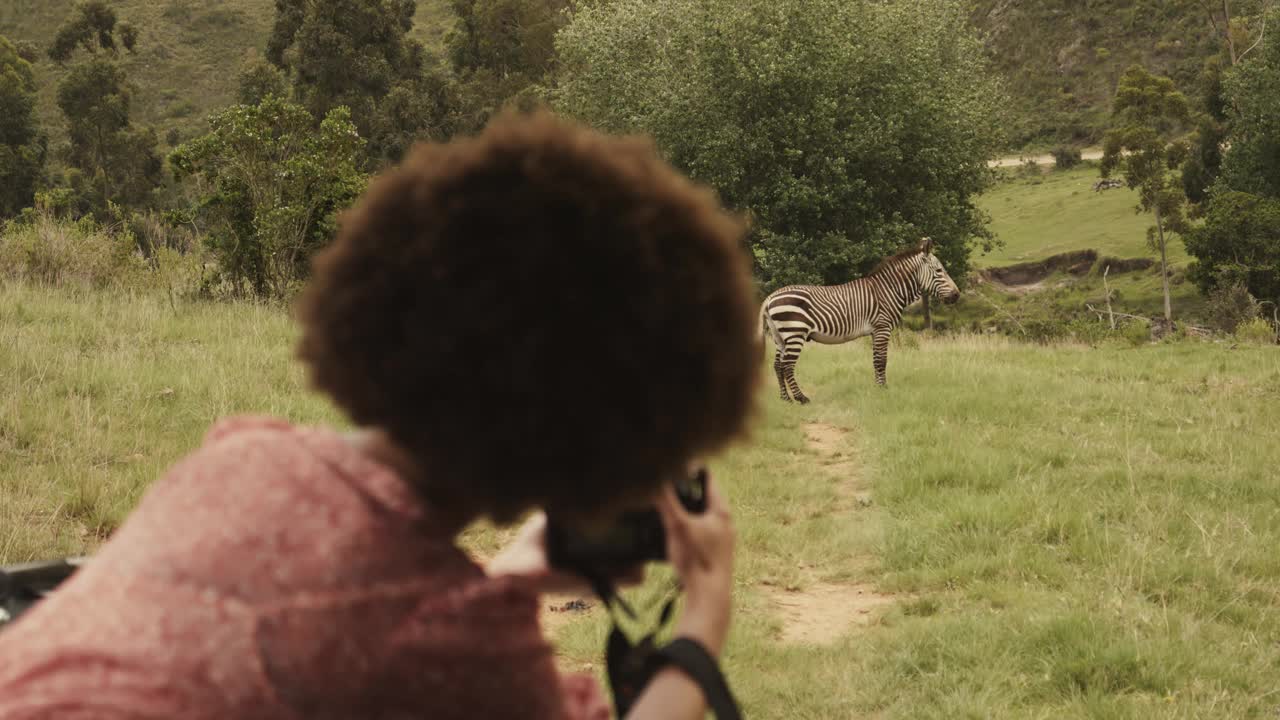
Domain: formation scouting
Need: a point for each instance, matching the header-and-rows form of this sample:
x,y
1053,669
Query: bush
x,y
1255,332
1231,305
1065,157
48,251
1137,332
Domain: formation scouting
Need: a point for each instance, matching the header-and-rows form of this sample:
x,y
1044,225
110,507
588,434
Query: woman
x,y
541,317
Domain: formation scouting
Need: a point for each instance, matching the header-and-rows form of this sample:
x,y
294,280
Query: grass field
x,y
1007,531
1059,211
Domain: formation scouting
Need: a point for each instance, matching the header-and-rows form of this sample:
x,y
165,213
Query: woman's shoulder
x,y
241,425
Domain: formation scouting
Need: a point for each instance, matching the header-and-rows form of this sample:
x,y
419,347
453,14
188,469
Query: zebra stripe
x,y
832,314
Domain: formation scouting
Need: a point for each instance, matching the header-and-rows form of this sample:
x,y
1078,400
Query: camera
x,y
637,536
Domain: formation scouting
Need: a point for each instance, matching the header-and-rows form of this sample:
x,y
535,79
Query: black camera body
x,y
637,537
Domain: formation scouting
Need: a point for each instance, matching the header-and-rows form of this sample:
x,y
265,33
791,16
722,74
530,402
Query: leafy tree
x,y
501,52
92,27
272,186
357,54
1147,114
1205,159
1253,163
259,79
1240,239
22,145
118,162
1239,243
1234,26
841,130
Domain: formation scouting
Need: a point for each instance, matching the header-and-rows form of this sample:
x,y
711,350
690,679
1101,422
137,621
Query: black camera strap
x,y
631,665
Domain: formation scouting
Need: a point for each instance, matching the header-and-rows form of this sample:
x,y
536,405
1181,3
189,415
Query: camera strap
x,y
631,665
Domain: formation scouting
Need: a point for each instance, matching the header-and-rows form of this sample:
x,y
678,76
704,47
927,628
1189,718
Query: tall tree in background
x,y
1147,114
273,186
357,54
1239,243
22,145
501,51
1242,26
119,161
842,130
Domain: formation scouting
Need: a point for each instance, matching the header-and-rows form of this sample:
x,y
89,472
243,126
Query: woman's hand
x,y
526,557
700,548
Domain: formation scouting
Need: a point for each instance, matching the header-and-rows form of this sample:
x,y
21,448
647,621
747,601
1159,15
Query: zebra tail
x,y
765,328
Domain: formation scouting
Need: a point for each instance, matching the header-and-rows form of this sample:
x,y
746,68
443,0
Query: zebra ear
x,y
926,245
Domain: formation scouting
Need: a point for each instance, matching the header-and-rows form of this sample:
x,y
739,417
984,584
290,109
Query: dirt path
x,y
1016,160
820,613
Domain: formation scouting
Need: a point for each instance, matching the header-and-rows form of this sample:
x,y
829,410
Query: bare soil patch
x,y
823,613
828,442
1076,263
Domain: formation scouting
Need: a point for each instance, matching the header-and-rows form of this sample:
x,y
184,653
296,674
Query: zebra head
x,y
933,277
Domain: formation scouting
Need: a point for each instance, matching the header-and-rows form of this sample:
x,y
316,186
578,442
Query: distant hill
x,y
189,52
1060,58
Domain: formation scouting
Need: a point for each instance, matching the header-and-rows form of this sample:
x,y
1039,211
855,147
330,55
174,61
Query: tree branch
x,y
1261,34
999,309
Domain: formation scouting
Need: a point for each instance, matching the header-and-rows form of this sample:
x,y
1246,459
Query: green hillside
x,y
1060,59
189,51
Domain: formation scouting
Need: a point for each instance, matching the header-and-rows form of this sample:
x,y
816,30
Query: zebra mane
x,y
895,260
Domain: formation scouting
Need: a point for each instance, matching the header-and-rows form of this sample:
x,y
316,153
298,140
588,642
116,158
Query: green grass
x,y
1068,532
188,57
1059,212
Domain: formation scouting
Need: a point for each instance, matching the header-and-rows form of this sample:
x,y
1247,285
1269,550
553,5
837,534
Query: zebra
x,y
832,314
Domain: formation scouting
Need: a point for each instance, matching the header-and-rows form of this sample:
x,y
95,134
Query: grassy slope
x,y
1055,212
1059,211
1069,532
189,52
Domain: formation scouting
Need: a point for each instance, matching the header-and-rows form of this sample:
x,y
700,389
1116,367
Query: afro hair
x,y
541,315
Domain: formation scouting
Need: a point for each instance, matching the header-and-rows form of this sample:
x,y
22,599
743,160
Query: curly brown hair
x,y
541,315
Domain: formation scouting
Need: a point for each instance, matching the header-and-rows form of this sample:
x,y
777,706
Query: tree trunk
x,y
1231,42
1164,268
928,317
1106,286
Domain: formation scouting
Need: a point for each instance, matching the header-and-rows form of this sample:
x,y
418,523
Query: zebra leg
x,y
782,379
880,351
789,358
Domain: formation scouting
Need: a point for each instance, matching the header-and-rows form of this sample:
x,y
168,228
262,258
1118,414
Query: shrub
x,y
48,251
1066,157
1136,331
1256,331
1230,305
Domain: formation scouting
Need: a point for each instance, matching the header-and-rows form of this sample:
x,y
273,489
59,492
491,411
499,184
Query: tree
x,y
273,185
357,54
1239,244
118,162
1205,159
501,52
1147,113
258,80
1240,239
22,145
1234,30
840,130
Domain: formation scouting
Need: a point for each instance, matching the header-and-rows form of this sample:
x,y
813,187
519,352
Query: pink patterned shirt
x,y
277,572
